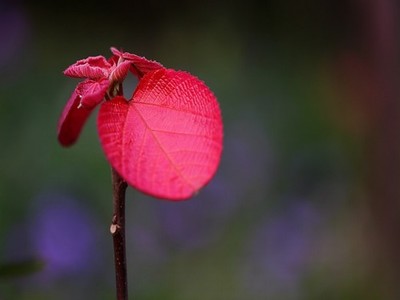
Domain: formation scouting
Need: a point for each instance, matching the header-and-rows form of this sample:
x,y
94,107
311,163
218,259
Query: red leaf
x,y
120,71
72,120
167,140
92,92
93,67
140,64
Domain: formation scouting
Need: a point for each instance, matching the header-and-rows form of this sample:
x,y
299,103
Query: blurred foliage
x,y
20,268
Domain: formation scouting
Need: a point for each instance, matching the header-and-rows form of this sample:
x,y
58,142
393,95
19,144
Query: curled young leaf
x,y
72,120
92,92
93,67
140,65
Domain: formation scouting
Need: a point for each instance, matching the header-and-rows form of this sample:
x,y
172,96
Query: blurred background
x,y
306,202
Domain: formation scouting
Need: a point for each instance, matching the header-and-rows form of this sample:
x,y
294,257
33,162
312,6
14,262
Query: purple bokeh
x,y
281,250
195,223
64,234
14,31
248,159
145,246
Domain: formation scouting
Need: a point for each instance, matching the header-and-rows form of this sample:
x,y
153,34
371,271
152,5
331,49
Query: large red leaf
x,y
167,140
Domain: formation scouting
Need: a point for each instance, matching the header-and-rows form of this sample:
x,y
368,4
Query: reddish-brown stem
x,y
117,230
120,91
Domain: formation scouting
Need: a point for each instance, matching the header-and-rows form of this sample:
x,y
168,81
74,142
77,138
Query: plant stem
x,y
117,230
